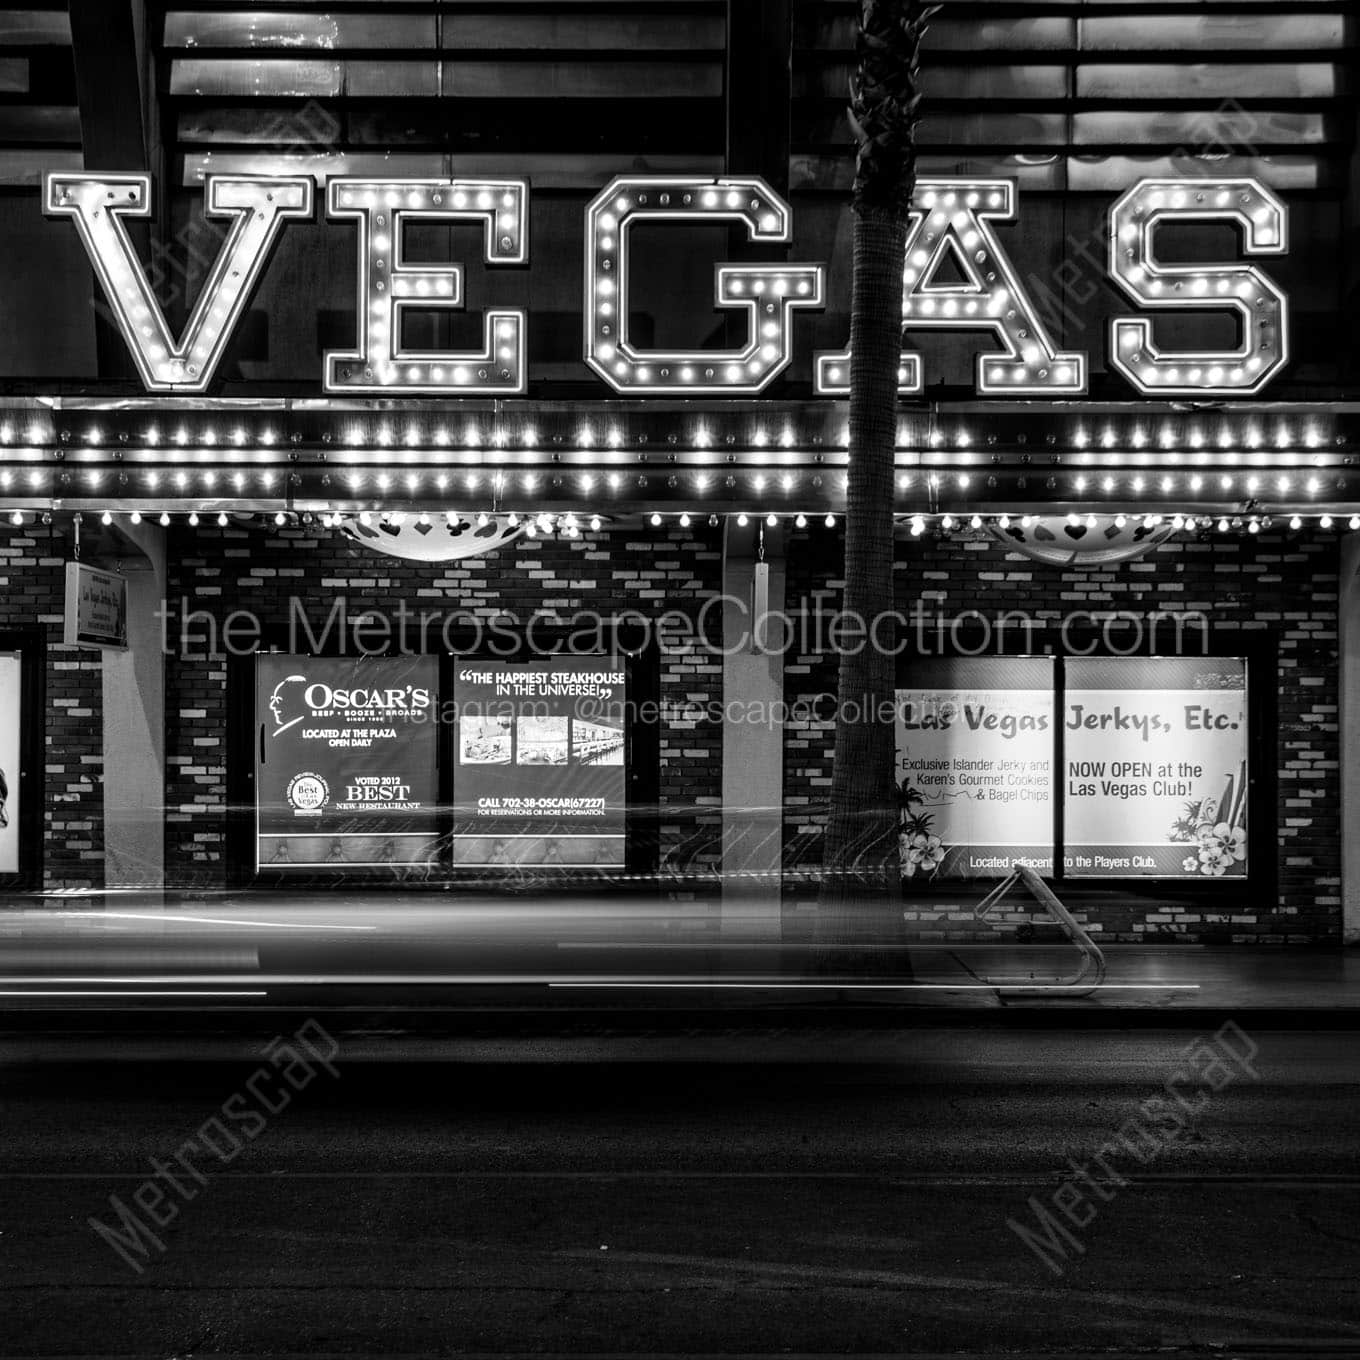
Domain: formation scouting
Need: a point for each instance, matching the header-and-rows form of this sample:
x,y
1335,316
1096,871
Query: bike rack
x,y
1091,957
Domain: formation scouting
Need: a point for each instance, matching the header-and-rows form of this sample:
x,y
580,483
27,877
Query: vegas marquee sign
x,y
952,224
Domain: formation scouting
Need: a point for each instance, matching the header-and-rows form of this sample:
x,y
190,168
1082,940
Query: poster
x,y
347,762
11,669
1156,776
975,743
539,763
96,608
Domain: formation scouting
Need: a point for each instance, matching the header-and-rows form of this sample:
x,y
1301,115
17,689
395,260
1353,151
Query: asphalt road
x,y
837,1192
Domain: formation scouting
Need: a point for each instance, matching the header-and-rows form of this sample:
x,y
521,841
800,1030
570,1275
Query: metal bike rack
x,y
1090,970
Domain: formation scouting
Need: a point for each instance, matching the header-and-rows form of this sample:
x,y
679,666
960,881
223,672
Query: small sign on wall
x,y
11,698
96,607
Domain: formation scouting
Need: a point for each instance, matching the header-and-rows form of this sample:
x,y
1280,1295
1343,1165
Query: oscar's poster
x,y
347,763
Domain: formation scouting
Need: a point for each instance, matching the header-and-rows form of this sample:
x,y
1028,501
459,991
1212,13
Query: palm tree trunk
x,y
859,917
861,879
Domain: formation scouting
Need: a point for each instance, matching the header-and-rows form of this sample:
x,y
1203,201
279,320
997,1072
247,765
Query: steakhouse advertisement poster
x,y
347,763
539,763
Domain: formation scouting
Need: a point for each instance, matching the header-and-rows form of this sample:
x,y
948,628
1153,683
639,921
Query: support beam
x,y
134,723
753,749
1349,685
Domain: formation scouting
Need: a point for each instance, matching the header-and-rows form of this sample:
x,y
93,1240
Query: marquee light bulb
x,y
1325,522
830,521
1296,522
1355,522
16,518
1004,522
193,518
164,520
742,521
136,517
222,520
595,523
483,520
771,520
655,520
684,521
280,519
106,518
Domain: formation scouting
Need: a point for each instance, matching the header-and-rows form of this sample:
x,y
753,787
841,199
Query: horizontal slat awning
x,y
588,86
39,123
1085,94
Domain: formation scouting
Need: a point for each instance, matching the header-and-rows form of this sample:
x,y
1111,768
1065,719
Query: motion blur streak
x,y
397,948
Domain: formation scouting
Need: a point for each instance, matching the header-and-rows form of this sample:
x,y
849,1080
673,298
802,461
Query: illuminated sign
x,y
346,764
1157,780
768,293
952,225
950,219
540,764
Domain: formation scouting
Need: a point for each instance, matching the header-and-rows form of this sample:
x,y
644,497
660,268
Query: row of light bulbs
x,y
1168,437
572,525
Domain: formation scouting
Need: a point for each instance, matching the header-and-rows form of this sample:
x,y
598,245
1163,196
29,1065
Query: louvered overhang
x,y
567,93
39,123
1088,95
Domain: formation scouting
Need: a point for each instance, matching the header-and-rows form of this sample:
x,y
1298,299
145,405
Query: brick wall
x,y
261,569
32,594
1273,585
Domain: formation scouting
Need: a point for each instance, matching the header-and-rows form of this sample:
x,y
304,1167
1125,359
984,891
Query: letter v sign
x,y
257,207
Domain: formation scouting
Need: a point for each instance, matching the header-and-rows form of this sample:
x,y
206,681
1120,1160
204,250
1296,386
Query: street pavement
x,y
743,1192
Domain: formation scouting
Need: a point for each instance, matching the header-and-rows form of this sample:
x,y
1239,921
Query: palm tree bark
x,y
859,917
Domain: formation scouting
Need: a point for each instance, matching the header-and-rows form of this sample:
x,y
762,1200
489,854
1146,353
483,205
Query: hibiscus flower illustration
x,y
921,853
1220,847
1190,864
